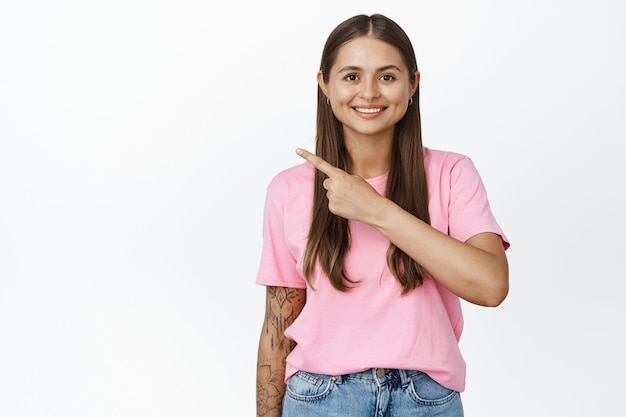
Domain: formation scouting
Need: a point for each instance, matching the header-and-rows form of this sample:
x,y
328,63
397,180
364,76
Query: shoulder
x,y
291,179
435,159
450,173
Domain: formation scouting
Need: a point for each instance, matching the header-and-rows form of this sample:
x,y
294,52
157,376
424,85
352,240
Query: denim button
x,y
380,372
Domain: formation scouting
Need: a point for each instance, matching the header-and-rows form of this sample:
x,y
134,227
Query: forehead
x,y
365,51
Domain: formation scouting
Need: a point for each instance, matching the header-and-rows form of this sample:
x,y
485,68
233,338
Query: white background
x,y
136,141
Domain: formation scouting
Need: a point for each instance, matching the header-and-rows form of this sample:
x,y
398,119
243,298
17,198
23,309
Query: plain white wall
x,y
136,141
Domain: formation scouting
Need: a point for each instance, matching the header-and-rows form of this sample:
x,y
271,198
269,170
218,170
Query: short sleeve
x,y
278,266
469,210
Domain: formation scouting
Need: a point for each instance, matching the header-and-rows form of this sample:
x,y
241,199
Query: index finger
x,y
318,162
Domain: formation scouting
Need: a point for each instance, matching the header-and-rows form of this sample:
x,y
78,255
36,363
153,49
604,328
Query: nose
x,y
369,89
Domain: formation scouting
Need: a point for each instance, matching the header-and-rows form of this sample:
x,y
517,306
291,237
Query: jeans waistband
x,y
378,375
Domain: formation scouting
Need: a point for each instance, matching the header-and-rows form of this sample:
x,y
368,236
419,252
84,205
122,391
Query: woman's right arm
x,y
282,307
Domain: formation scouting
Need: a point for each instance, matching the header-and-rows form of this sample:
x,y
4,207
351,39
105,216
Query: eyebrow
x,y
385,68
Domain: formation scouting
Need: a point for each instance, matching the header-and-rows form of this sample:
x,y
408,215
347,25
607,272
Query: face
x,y
368,87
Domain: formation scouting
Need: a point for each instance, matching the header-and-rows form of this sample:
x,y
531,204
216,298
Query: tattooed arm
x,y
282,306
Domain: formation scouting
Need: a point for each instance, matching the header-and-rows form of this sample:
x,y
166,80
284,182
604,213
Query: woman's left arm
x,y
475,270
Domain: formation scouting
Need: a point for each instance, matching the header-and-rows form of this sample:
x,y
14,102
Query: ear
x,y
416,83
322,83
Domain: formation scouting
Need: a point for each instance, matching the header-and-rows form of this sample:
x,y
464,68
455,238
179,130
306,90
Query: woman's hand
x,y
349,196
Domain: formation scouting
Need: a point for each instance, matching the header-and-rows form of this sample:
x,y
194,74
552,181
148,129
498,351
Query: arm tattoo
x,y
283,307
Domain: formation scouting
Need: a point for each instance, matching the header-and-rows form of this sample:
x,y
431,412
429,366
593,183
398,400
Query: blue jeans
x,y
373,393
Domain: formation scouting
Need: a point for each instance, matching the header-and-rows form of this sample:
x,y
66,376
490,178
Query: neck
x,y
369,157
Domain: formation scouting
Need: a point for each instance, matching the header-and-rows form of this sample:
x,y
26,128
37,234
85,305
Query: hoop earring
x,y
327,101
410,101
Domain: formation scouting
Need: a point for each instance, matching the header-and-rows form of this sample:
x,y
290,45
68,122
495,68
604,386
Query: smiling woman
x,y
371,230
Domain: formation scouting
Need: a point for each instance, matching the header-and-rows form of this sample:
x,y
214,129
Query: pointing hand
x,y
349,196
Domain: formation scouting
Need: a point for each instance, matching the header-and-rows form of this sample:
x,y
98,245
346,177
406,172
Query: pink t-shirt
x,y
373,325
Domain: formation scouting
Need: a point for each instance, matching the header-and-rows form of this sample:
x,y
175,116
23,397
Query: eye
x,y
387,77
351,77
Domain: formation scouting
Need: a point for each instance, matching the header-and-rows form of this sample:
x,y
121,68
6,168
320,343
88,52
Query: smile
x,y
369,111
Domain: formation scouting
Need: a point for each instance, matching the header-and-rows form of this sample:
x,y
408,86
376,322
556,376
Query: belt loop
x,y
404,378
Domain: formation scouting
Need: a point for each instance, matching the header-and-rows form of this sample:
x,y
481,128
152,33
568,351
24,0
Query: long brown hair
x,y
329,235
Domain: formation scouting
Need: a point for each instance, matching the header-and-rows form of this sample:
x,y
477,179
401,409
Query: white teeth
x,y
364,110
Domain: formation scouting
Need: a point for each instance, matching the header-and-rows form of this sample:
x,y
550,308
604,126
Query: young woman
x,y
368,246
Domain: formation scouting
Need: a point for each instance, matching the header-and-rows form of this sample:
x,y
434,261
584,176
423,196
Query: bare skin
x,y
283,306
